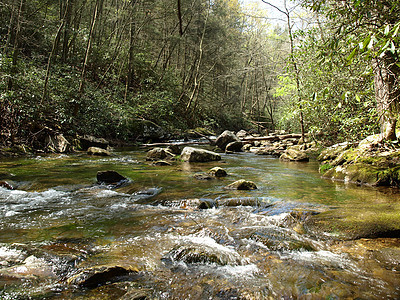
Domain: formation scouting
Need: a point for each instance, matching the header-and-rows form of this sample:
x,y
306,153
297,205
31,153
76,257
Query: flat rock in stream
x,y
191,154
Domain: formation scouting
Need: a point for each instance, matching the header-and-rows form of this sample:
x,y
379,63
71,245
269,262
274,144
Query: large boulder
x,y
294,155
191,154
242,185
159,154
88,141
98,151
225,138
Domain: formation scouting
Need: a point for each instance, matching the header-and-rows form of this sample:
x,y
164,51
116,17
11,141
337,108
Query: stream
x,y
295,237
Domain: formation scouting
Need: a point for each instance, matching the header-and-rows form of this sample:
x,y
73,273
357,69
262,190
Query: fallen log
x,y
272,138
166,144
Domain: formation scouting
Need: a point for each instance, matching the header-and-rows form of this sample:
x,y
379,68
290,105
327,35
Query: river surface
x,y
296,237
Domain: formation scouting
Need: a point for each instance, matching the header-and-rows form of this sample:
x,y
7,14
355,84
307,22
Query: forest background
x,y
145,69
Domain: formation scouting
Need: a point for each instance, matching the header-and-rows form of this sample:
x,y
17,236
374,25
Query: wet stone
x,y
202,177
161,163
157,154
6,185
101,275
217,172
110,177
241,185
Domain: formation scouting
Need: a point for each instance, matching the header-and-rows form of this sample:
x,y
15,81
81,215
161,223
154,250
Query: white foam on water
x,y
245,271
11,213
322,257
209,242
7,253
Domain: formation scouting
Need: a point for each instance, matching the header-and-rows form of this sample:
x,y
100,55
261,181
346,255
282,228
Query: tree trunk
x,y
387,95
85,62
16,47
53,52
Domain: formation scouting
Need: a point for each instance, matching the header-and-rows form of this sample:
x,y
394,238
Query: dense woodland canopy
x,y
118,69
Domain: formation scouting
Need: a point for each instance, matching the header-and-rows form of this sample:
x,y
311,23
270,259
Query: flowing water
x,y
296,237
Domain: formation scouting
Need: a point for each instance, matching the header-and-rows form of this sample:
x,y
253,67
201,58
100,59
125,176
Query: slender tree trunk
x,y
9,30
85,61
131,71
53,52
16,47
197,69
67,29
286,12
387,95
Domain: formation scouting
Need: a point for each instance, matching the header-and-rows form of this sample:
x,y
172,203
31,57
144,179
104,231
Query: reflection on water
x,y
296,236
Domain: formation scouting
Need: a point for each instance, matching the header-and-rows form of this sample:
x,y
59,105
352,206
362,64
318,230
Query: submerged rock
x,y
110,177
197,203
100,275
98,151
162,163
202,176
241,185
191,154
217,172
203,252
225,138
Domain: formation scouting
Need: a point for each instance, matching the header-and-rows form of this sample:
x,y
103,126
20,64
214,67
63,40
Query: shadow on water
x,y
296,236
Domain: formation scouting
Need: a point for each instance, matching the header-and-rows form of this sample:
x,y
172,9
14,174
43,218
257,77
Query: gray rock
x,y
225,138
98,151
191,154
